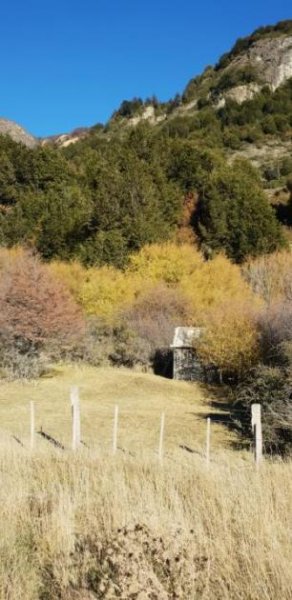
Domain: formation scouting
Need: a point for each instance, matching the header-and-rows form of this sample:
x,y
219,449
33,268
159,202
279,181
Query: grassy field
x,y
86,525
141,399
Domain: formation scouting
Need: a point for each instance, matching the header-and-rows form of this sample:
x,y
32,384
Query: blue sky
x,y
66,63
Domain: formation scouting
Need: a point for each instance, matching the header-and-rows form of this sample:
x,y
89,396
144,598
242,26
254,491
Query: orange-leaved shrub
x,y
37,314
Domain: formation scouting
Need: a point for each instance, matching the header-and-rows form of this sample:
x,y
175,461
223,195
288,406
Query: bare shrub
x,y
17,364
271,276
270,382
275,326
134,563
148,325
98,342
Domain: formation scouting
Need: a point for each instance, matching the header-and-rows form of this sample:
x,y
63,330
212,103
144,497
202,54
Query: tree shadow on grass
x,y
224,412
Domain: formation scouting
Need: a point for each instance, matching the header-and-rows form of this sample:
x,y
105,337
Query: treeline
x,y
106,197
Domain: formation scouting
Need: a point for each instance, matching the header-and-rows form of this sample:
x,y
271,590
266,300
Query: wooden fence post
x,y
208,440
32,425
115,429
161,436
256,423
76,430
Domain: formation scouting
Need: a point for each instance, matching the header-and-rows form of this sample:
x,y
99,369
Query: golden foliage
x,y
100,291
215,282
107,290
230,339
215,293
72,274
168,262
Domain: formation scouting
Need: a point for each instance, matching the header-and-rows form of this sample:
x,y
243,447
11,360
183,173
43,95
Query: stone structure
x,y
186,365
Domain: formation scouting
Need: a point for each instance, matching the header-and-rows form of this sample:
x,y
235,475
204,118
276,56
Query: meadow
x,y
85,525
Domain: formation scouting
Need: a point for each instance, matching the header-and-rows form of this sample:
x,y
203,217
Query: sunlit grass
x,y
141,399
85,525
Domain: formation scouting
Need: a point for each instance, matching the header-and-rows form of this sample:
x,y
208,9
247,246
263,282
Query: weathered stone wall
x,y
186,365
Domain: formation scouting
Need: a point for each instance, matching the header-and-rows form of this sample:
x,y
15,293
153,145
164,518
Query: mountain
x,y
260,61
17,133
263,59
159,171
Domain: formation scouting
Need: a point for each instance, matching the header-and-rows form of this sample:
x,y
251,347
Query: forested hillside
x,y
102,199
175,171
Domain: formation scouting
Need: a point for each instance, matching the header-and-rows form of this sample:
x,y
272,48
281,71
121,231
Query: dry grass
x,y
85,527
90,525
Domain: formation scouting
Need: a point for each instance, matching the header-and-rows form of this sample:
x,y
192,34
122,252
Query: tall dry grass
x,y
84,526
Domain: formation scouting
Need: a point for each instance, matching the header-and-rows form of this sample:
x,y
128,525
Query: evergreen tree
x,y
234,214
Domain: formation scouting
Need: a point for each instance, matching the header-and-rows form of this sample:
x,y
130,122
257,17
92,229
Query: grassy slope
x,y
141,399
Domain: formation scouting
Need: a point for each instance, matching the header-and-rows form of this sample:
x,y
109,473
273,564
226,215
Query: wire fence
x,y
114,431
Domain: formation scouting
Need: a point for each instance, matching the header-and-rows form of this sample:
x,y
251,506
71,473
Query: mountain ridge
x,y
262,59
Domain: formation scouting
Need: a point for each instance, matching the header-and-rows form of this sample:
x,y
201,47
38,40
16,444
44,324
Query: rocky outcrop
x,y
17,133
270,62
149,115
272,59
66,139
239,94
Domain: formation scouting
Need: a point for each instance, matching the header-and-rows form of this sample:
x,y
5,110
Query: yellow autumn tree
x,y
72,274
230,339
168,263
217,297
101,291
108,290
216,282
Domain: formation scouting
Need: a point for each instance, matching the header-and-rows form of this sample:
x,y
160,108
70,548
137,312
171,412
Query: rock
x,y
17,133
272,59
